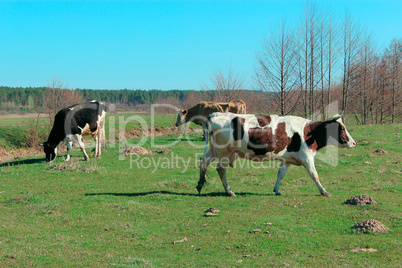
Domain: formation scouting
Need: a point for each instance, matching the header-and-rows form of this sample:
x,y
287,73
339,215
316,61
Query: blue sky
x,y
153,44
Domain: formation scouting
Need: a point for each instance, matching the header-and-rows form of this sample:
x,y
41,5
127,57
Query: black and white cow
x,y
289,139
86,118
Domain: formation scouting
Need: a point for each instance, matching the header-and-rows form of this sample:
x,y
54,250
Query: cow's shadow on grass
x,y
22,162
174,193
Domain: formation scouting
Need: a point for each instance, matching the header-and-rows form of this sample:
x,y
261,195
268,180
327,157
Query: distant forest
x,y
32,97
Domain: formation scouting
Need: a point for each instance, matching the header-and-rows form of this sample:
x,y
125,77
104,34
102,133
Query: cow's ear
x,y
185,112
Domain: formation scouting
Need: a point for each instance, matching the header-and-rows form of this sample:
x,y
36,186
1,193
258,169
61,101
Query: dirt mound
x,y
381,151
362,249
360,200
371,225
162,152
136,150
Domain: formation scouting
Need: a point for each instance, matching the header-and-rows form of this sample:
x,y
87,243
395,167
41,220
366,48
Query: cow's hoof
x,y
231,194
199,188
277,193
326,194
87,159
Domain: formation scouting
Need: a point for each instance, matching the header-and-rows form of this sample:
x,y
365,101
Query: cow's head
x,y
338,132
50,151
181,117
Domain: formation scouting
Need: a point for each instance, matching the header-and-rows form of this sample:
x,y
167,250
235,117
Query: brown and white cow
x,y
198,114
74,121
289,139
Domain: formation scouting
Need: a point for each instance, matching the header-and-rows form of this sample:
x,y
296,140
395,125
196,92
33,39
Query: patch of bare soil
x,y
22,115
157,131
362,249
370,226
213,210
162,152
136,150
381,151
360,200
7,156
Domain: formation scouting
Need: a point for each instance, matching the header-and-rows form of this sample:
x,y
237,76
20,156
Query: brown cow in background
x,y
198,114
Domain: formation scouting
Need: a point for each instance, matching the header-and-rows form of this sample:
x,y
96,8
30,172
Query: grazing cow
x,y
290,139
198,114
74,121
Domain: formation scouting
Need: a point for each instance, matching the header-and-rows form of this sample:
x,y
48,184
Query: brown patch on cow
x,y
309,137
282,139
263,120
343,137
263,141
238,129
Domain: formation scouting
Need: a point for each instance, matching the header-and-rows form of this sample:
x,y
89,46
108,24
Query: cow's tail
x,y
203,166
208,134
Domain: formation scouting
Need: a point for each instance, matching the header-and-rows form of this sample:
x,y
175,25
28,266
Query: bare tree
x,y
227,86
329,53
276,71
58,96
350,51
394,58
309,53
364,82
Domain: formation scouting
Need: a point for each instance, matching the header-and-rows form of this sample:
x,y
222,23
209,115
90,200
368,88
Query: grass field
x,y
125,213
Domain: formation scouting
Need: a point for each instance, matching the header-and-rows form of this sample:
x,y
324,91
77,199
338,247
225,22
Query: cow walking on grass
x,y
73,122
198,114
289,139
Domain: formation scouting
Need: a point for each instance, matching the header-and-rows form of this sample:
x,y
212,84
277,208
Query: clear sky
x,y
153,44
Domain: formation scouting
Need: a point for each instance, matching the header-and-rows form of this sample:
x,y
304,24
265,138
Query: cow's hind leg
x,y
82,146
205,160
97,145
281,173
222,167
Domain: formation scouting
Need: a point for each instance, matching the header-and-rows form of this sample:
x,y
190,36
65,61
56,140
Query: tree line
x,y
30,98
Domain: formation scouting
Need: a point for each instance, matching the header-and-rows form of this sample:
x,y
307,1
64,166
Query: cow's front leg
x,y
68,144
314,176
205,160
281,173
222,167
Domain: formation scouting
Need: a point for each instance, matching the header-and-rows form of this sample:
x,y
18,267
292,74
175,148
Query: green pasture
x,y
14,131
127,211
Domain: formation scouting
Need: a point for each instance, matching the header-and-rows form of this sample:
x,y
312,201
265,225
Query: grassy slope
x,y
107,213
